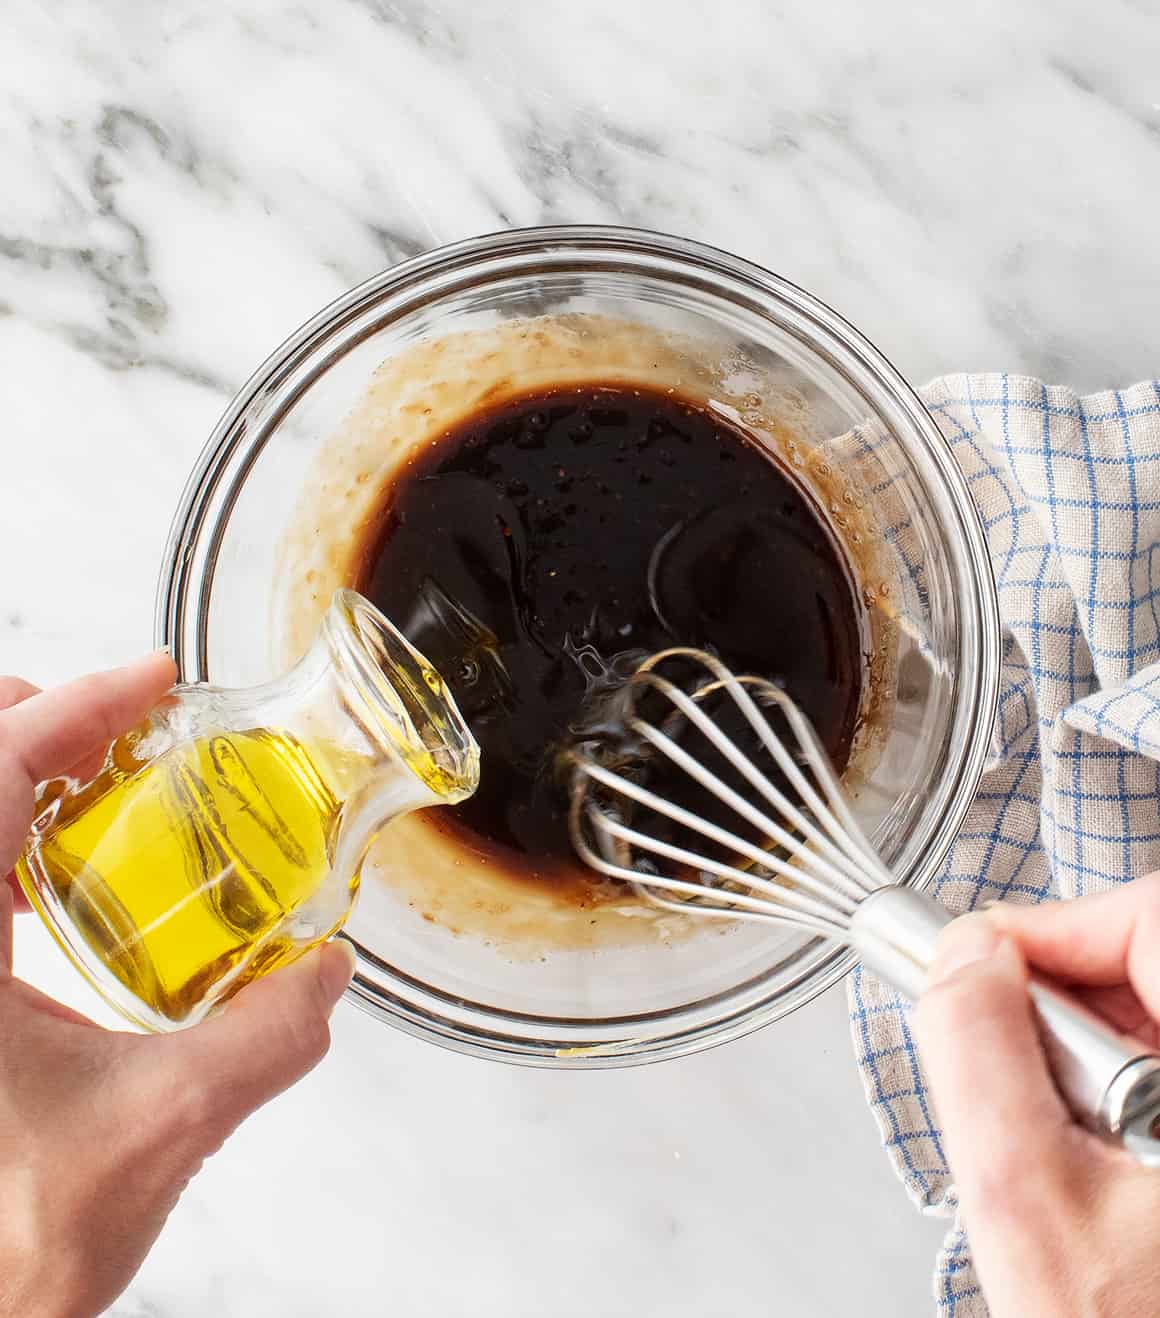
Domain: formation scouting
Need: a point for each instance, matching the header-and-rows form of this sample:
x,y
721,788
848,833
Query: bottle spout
x,y
404,702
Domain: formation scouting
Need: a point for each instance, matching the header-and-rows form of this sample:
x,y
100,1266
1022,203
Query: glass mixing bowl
x,y
259,539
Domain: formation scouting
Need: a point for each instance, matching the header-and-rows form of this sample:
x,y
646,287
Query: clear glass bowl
x,y
257,544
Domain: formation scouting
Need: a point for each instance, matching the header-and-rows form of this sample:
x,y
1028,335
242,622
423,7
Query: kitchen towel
x,y
1069,492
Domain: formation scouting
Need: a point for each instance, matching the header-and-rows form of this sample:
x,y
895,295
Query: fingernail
x,y
968,939
335,968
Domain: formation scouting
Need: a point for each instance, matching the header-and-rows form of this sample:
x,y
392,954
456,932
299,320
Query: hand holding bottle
x,y
101,1131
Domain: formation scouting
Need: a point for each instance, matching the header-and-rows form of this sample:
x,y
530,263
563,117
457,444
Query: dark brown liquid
x,y
536,552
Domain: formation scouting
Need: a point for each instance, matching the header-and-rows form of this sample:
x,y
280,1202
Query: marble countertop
x,y
976,187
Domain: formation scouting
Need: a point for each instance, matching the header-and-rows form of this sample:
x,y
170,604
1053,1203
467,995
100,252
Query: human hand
x,y
101,1131
1061,1223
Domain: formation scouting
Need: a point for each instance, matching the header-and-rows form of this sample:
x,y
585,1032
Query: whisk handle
x,y
1110,1083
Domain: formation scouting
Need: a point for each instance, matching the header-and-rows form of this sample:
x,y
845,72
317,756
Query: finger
x,y
88,766
49,732
46,1006
15,689
270,1035
1119,1005
19,901
17,804
1111,938
1001,1117
6,907
12,691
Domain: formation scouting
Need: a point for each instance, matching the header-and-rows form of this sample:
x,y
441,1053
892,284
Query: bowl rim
x,y
427,278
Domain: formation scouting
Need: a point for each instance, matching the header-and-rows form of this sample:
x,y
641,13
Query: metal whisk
x,y
798,857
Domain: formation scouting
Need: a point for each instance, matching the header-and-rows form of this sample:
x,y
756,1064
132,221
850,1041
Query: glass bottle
x,y
225,835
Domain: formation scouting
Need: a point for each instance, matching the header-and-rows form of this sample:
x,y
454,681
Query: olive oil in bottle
x,y
225,835
181,871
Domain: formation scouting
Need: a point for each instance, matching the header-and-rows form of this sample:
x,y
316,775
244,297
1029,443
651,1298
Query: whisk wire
x,y
744,765
735,685
724,870
845,824
751,851
737,905
844,829
811,863
797,901
840,877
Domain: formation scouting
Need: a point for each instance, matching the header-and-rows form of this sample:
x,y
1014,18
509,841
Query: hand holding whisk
x,y
782,846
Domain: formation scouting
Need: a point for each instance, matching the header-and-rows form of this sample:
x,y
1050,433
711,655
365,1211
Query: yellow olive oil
x,y
180,870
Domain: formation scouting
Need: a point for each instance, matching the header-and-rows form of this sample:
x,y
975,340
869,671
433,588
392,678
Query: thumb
x,y
270,1035
1004,1124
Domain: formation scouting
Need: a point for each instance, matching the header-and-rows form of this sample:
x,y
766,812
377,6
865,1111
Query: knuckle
x,y
993,1182
18,783
295,1031
301,1017
96,691
308,1040
187,1101
944,1009
972,1002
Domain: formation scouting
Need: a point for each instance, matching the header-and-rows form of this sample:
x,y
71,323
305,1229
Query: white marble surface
x,y
975,186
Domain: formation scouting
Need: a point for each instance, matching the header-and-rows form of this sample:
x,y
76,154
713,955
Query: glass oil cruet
x,y
225,835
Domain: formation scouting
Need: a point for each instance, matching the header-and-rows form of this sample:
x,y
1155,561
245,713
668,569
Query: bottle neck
x,y
398,699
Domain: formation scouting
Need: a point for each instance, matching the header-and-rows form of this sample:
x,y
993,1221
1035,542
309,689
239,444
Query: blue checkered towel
x,y
1069,491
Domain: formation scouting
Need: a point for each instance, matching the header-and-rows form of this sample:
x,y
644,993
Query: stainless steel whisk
x,y
809,866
